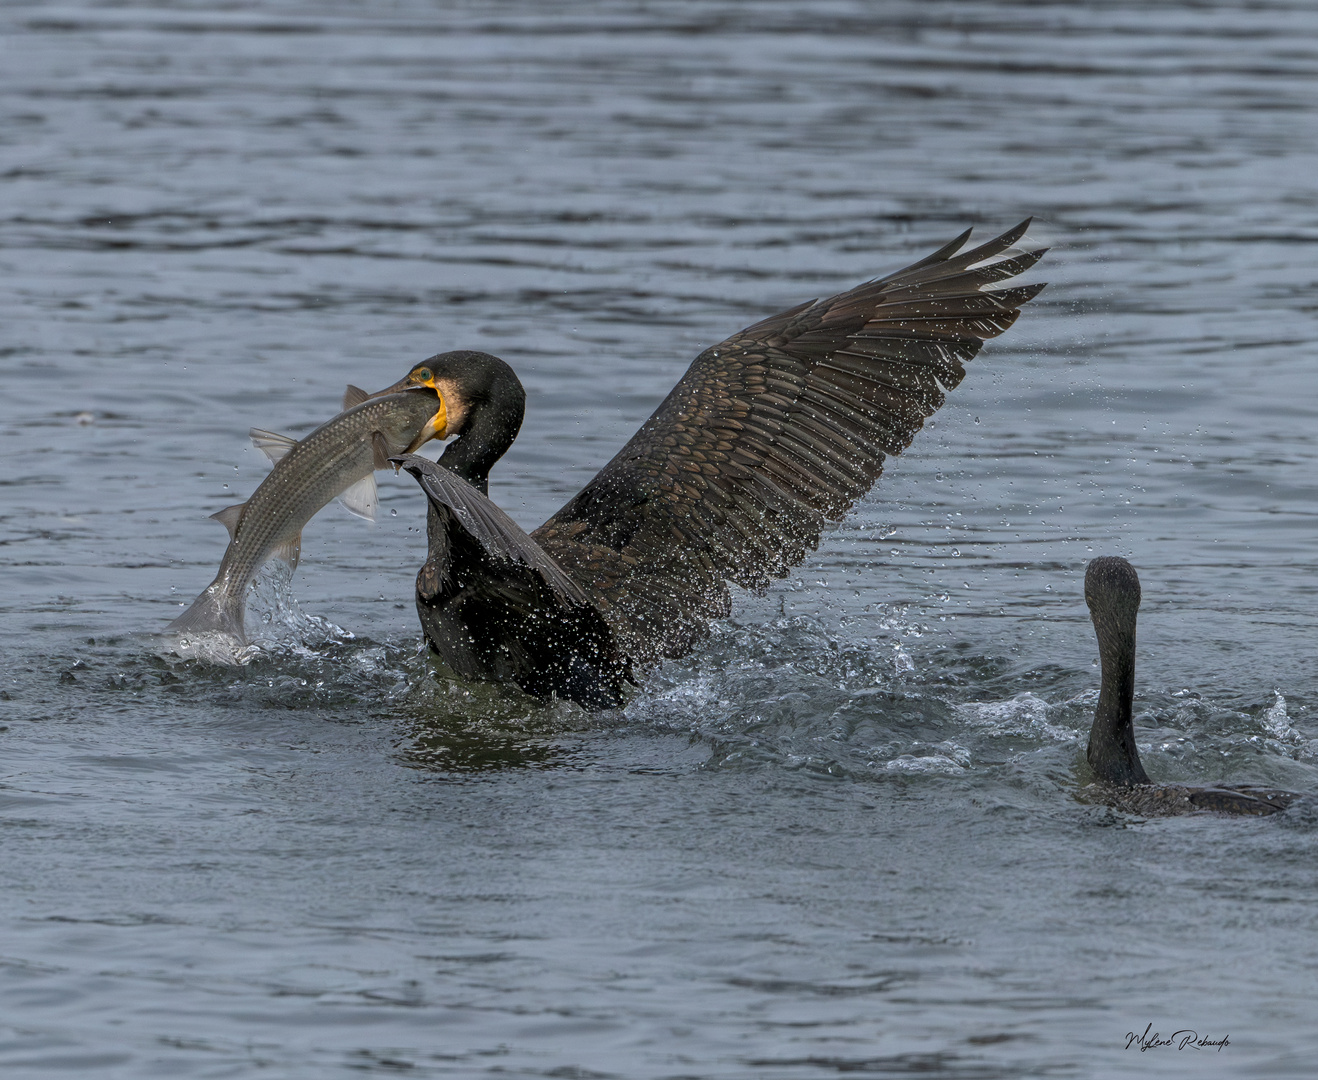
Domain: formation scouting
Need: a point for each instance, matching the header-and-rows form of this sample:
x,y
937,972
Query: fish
x,y
337,460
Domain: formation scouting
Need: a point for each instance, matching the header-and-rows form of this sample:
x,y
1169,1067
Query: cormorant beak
x,y
435,428
407,383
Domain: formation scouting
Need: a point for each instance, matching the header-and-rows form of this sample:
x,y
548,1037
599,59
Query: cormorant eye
x,y
423,376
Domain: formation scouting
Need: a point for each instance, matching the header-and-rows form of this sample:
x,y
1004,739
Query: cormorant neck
x,y
490,427
469,462
1112,752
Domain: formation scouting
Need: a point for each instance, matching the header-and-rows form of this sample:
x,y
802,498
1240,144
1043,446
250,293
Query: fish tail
x,y
216,609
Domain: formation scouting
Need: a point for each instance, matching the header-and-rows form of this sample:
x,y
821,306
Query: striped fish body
x,y
307,475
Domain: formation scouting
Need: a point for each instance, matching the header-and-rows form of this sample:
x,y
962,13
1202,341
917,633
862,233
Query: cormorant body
x,y
768,437
1112,592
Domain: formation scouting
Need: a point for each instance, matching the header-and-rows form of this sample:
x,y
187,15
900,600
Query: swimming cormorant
x,y
767,438
1112,591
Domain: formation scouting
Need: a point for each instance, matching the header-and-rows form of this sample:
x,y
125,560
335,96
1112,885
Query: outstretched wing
x,y
771,435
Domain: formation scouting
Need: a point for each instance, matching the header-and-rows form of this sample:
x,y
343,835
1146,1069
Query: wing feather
x,y
500,536
771,435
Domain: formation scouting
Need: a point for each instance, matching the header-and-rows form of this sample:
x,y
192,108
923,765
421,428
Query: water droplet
x,y
393,513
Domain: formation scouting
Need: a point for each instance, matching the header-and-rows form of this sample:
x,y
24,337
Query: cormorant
x,y
767,438
1112,591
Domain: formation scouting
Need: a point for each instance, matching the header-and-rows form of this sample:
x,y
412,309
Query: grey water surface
x,y
843,839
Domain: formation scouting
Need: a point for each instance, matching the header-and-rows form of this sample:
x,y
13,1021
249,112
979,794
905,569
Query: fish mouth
x,y
434,428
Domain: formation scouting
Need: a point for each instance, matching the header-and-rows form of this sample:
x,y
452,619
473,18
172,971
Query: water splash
x,y
275,621
1282,736
274,624
948,758
209,646
1024,715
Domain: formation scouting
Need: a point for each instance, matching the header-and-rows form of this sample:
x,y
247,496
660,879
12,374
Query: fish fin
x,y
228,517
271,444
212,611
290,551
353,396
381,449
362,498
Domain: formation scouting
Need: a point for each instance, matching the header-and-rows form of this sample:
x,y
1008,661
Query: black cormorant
x,y
766,439
1112,591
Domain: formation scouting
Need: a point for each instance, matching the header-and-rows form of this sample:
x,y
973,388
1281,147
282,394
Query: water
x,y
840,840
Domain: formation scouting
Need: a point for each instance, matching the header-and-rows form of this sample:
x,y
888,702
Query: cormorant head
x,y
481,407
1112,589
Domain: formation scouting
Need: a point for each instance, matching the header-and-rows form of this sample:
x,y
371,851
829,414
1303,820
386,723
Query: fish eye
x,y
422,376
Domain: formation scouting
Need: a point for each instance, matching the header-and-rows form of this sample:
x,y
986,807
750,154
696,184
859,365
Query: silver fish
x,y
337,460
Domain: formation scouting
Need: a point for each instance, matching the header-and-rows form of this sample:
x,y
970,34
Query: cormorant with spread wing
x,y
767,438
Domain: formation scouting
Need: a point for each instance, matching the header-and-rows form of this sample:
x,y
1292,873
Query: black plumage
x,y
768,437
496,607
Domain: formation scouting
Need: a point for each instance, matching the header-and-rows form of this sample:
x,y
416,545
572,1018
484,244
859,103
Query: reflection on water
x,y
843,837
448,745
448,725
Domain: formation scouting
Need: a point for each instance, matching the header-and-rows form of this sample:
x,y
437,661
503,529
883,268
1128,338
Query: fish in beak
x,y
422,377
337,460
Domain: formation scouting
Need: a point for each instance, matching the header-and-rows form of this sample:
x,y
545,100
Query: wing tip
x,y
1020,294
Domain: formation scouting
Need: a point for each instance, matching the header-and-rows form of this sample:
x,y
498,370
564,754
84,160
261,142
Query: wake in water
x,y
866,697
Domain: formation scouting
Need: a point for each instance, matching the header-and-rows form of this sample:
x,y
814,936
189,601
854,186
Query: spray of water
x,y
275,623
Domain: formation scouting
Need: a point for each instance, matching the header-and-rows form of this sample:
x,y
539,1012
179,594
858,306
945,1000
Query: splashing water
x,y
1024,715
1283,737
275,621
275,624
